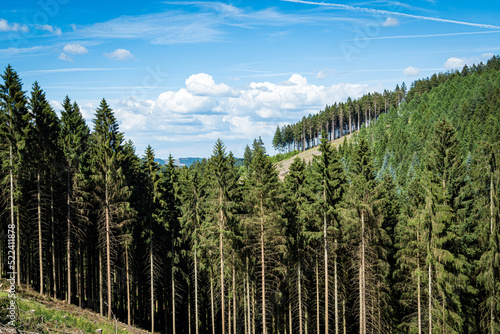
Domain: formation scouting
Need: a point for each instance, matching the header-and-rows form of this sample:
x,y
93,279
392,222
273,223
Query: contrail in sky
x,y
432,35
386,12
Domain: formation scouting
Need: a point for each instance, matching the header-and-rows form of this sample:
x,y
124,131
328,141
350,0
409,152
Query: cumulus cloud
x,y
75,49
184,101
205,109
51,29
5,26
120,54
411,71
65,57
204,84
454,63
390,22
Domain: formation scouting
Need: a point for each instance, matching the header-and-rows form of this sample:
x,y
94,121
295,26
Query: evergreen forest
x,y
396,230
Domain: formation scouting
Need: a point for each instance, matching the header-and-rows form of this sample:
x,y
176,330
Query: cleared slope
x,y
42,314
283,166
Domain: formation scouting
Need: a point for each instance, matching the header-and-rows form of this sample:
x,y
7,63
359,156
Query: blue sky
x,y
180,74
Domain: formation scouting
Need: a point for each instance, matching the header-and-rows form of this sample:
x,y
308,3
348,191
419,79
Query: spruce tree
x,y
44,153
445,264
487,181
14,130
74,141
264,198
111,192
330,173
362,217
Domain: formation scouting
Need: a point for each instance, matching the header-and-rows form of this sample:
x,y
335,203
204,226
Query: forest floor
x,y
42,314
284,165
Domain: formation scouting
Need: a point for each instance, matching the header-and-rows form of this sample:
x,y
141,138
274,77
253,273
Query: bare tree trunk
x,y
108,250
234,296
290,316
263,267
303,136
430,298
229,327
81,285
350,124
173,301
299,287
362,292
245,305
419,306
492,234
128,284
317,295
333,126
53,247
341,123
68,245
248,297
325,240
40,248
212,300
189,308
101,302
222,297
196,288
253,309
336,292
151,273
343,316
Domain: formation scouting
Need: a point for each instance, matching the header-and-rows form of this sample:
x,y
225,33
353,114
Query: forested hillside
x,y
396,231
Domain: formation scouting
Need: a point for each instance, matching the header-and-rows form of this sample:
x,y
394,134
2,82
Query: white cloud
x,y
204,84
5,26
51,29
206,109
390,22
65,57
120,54
184,101
411,71
454,63
75,49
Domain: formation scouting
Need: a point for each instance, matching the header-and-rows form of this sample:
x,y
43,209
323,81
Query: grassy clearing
x,y
41,314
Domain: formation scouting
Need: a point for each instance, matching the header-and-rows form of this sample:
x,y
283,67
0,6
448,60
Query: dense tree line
x,y
394,231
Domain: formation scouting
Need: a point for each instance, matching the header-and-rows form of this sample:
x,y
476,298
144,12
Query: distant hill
x,y
189,161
